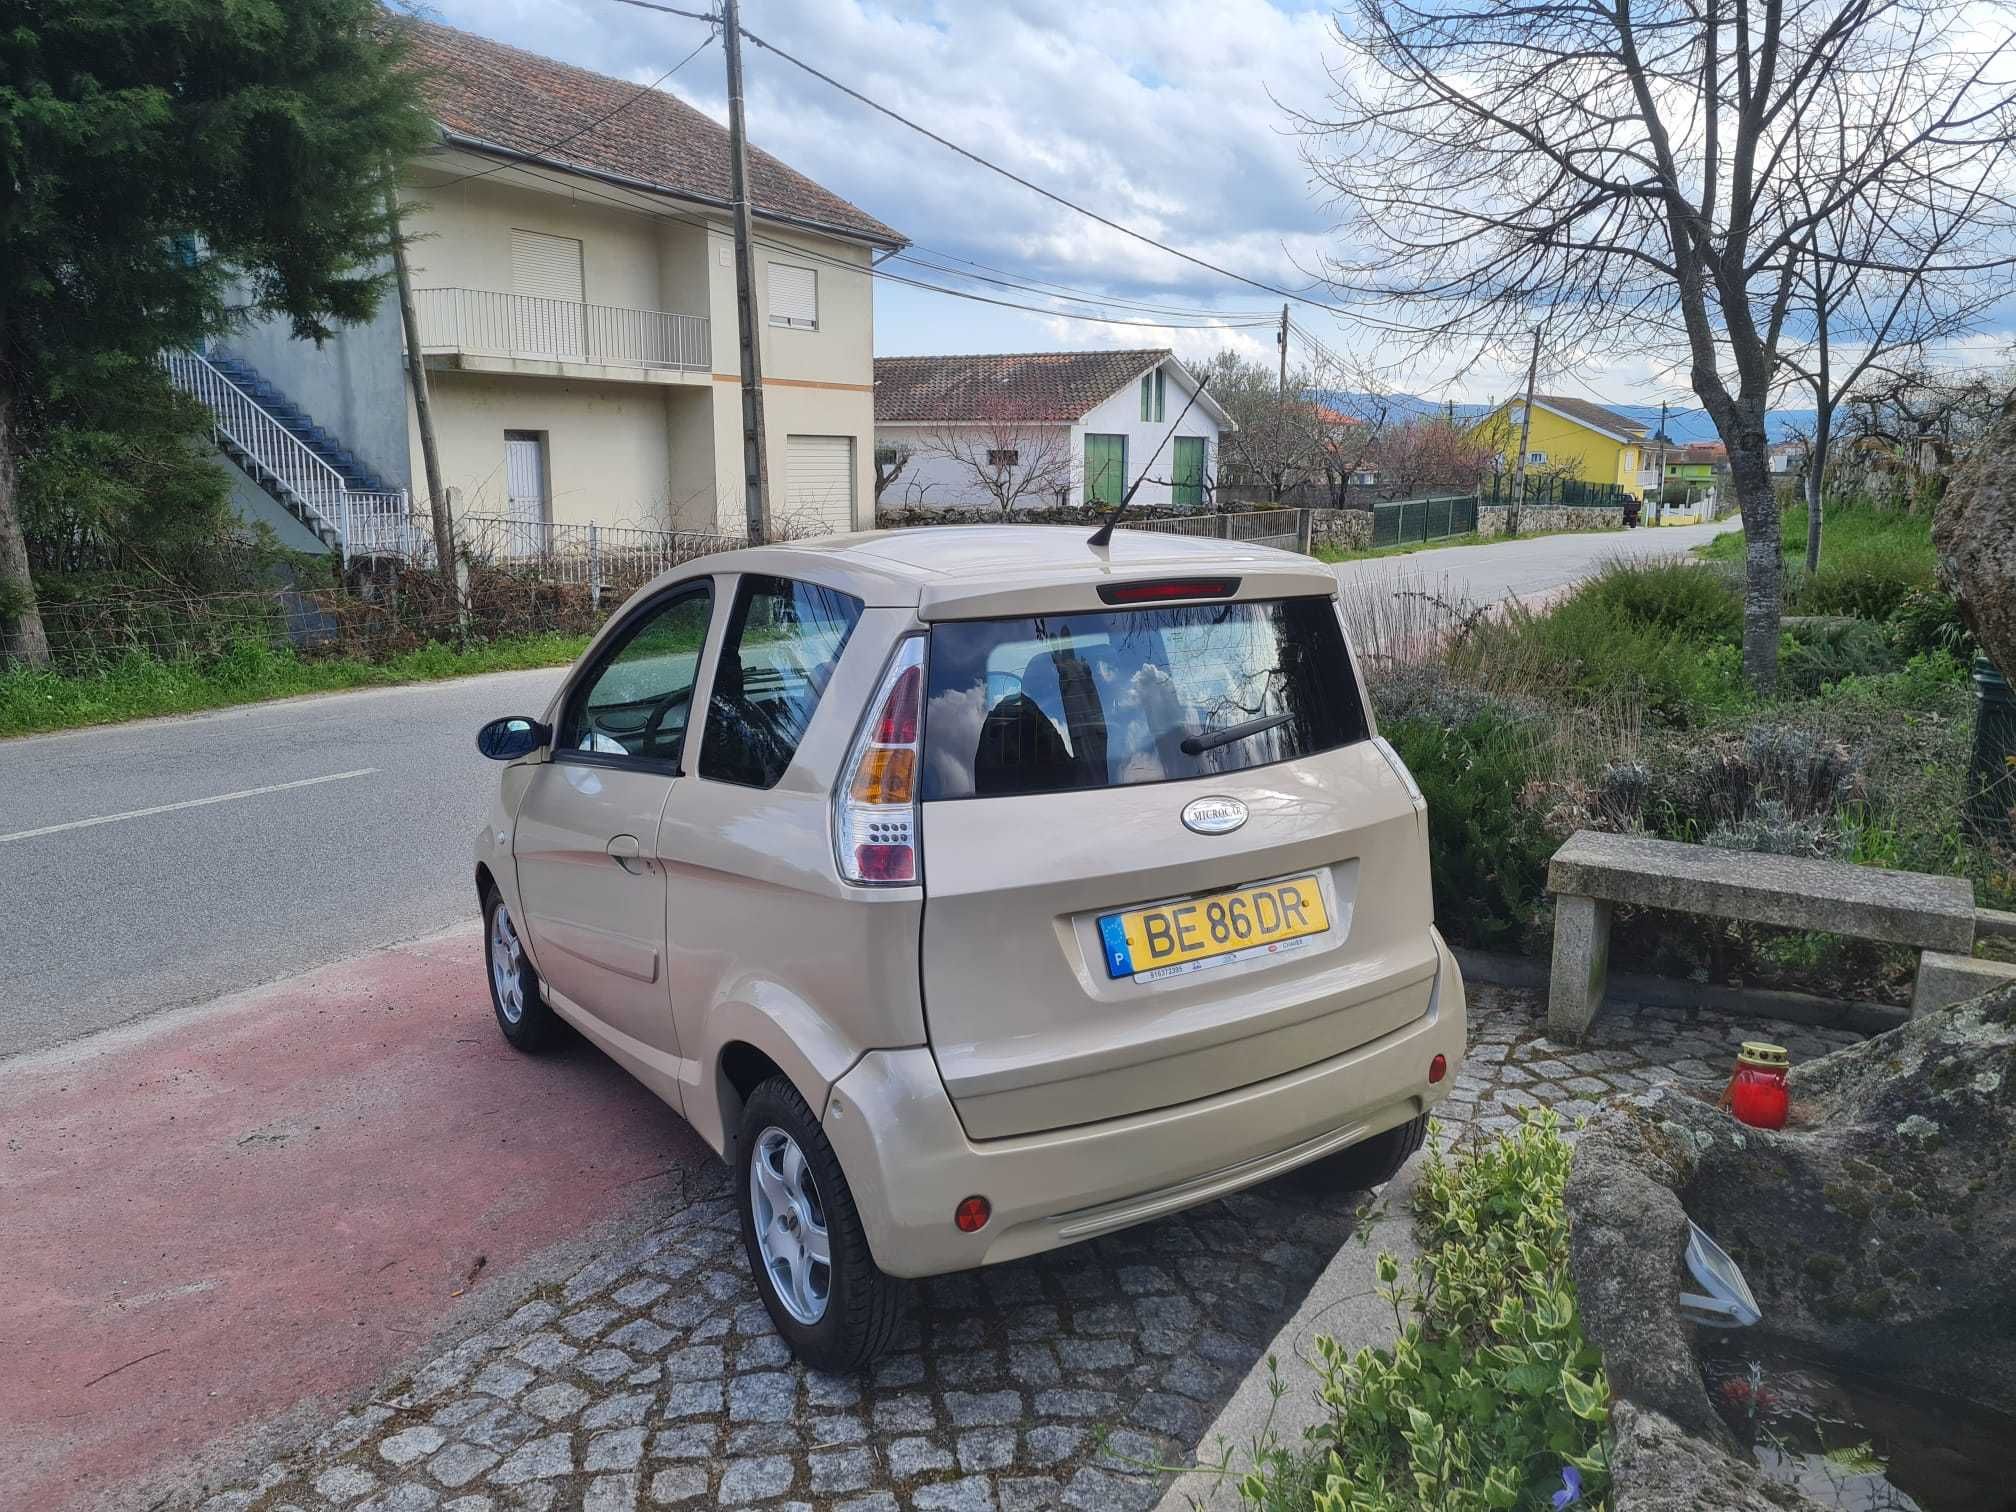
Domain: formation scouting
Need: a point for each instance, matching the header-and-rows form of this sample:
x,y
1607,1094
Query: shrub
x,y
1928,620
1814,653
1487,851
1490,1390
1775,831
1688,603
1722,782
1593,649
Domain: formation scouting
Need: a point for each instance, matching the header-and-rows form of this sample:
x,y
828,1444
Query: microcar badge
x,y
1214,816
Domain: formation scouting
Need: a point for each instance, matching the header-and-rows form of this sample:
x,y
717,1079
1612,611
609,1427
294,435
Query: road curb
x,y
1281,1395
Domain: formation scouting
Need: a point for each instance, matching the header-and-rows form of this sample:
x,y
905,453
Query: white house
x,y
1034,428
571,252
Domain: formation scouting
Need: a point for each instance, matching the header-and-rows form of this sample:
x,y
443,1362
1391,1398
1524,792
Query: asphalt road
x,y
111,918
1531,566
152,865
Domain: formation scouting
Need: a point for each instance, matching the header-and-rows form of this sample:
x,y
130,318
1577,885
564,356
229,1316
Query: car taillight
x,y
875,806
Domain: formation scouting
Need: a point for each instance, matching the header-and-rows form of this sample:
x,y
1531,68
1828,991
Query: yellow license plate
x,y
1214,930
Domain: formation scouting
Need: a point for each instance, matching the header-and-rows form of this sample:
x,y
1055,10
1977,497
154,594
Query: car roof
x,y
939,566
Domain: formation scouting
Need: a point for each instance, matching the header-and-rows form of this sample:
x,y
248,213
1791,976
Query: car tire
x,y
515,997
1368,1163
795,1201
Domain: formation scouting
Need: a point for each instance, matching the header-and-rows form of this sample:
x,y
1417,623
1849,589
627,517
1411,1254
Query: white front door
x,y
819,485
525,504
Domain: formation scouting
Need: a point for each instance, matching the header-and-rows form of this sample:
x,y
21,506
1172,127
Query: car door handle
x,y
625,851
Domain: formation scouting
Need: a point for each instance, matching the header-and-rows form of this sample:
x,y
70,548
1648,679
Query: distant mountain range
x,y
1682,425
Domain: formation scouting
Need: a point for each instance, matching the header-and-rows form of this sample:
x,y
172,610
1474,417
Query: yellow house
x,y
1571,438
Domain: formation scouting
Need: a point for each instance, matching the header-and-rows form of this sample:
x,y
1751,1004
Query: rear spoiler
x,y
1271,576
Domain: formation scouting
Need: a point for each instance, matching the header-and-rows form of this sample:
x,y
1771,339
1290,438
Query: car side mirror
x,y
513,736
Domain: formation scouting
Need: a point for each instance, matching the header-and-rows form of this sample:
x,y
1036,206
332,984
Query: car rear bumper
x,y
910,1162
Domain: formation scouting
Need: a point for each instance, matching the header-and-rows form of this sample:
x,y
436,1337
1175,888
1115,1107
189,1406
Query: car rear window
x,y
1062,702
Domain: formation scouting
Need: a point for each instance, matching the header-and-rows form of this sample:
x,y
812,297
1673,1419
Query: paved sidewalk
x,y
653,1379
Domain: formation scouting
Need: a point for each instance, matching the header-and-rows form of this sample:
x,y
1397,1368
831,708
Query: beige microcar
x,y
976,890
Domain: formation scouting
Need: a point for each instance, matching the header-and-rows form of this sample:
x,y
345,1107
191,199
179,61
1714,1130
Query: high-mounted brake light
x,y
1168,590
875,806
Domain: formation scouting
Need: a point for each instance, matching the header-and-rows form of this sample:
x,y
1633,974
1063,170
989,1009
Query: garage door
x,y
819,477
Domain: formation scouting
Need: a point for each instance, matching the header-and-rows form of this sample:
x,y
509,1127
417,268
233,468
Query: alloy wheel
x,y
507,965
790,1225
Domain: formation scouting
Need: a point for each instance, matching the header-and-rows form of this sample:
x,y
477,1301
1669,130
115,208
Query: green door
x,y
1186,483
1105,469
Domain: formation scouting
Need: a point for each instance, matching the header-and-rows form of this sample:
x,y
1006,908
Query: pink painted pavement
x,y
237,1211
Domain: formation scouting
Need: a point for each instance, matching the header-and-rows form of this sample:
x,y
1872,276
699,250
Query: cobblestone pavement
x,y
653,1378
1630,1050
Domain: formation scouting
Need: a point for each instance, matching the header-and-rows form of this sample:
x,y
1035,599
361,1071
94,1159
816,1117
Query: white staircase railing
x,y
316,488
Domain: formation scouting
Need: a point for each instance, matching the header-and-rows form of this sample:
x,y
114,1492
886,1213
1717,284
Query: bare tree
x,y
1876,283
1009,457
1279,437
1649,172
891,457
1430,452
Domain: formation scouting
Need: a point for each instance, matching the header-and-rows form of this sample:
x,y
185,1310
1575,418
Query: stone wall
x,y
1536,519
1340,529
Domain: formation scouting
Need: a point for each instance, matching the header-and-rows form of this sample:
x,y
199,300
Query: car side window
x,y
638,702
784,640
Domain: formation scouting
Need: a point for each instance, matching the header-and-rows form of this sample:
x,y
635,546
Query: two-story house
x,y
1572,438
572,258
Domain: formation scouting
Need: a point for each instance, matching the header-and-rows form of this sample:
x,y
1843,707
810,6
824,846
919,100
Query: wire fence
x,y
386,596
1260,527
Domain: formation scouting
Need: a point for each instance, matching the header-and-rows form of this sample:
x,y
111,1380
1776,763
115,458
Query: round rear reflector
x,y
972,1214
1437,1069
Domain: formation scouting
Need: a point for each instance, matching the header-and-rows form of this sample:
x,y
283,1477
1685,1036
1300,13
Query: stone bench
x,y
1594,871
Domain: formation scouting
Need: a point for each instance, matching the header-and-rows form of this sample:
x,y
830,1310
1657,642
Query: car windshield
x,y
1104,699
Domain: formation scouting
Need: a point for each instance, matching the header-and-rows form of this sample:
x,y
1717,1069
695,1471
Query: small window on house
x,y
1536,459
1154,395
1004,457
794,297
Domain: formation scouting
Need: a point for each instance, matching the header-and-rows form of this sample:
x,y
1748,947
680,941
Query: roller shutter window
x,y
819,475
546,277
794,297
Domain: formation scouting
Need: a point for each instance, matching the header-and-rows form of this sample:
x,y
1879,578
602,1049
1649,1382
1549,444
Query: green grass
x,y
139,685
1871,559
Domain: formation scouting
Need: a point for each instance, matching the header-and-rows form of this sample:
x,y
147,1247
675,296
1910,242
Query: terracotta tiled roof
x,y
1058,386
1591,414
506,97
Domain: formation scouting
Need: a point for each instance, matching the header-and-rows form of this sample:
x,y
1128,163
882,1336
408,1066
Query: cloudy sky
x,y
1172,119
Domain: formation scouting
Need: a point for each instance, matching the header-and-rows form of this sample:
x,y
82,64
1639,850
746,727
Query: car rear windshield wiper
x,y
1210,740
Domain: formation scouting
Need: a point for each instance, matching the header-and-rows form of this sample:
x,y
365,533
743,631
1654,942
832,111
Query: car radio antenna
x,y
1103,536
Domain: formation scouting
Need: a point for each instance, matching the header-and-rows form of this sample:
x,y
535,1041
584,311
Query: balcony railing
x,y
487,324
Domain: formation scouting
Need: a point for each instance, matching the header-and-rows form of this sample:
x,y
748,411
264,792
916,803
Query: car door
x,y
591,880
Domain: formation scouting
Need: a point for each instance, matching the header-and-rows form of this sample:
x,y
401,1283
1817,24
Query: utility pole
x,y
1281,449
423,406
1662,451
1525,435
745,282
1281,340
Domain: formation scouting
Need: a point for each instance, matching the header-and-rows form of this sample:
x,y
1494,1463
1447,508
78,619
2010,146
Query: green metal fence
x,y
1408,520
1555,491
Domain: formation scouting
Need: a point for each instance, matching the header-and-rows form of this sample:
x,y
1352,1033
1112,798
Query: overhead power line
x,y
805,254
1031,185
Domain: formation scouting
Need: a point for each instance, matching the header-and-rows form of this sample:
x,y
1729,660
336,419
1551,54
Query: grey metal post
x,y
594,565
1305,530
